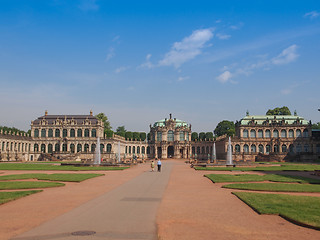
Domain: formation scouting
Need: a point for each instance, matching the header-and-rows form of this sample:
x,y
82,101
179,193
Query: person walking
x,y
152,166
159,165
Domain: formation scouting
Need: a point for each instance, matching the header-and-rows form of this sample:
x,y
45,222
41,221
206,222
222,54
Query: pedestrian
x,y
159,165
152,166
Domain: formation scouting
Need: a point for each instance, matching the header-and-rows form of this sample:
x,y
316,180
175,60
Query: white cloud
x,y
87,5
110,54
121,69
312,15
225,76
286,56
147,63
180,79
187,49
223,36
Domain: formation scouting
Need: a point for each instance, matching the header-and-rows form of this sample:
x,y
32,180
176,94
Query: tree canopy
x,y
316,125
209,135
279,111
121,131
225,127
13,130
104,119
194,136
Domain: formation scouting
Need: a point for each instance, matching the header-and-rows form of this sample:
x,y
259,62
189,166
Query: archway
x,y
159,152
170,152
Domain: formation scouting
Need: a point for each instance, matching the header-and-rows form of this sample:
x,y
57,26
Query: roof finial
x,y
91,112
295,113
170,116
247,113
46,113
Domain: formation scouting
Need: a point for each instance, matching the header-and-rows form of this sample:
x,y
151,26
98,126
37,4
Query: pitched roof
x,y
79,119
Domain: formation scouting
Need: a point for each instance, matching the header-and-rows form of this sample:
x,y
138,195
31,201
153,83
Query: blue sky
x,y
138,61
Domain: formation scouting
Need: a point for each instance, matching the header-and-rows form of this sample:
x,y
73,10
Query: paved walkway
x,y
178,203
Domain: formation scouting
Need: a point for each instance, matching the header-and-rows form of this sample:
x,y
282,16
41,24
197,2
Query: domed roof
x,y
178,123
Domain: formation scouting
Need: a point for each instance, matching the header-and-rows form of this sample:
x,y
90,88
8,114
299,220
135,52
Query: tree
x,y
194,136
121,131
129,135
225,127
108,133
104,119
143,136
316,125
136,136
279,111
209,135
202,136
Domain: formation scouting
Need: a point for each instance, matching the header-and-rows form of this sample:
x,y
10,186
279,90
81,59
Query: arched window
x,y
291,133
138,150
245,133
207,150
50,148
299,148
79,147
129,149
170,136
57,133
64,147
101,148
159,136
133,149
182,136
86,147
260,133
50,133
298,133
306,148
64,133
275,133
72,132
253,148
284,148
43,133
268,133
126,149
36,132
72,148
202,150
268,148
305,133
143,150
187,137
198,150
291,148
237,148
148,150
93,133
57,147
245,148
109,148
93,148
36,148
276,148
261,148
86,132
193,150
79,132
283,133
252,133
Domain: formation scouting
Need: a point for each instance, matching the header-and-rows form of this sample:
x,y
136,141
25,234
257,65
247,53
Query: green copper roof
x,y
179,123
288,119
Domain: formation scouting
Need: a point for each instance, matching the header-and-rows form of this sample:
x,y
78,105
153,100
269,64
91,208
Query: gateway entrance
x,y
170,152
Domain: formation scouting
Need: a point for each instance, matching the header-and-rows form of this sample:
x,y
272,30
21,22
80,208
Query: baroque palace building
x,y
75,137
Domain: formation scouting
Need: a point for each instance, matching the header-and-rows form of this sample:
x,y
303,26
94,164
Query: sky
x,y
139,61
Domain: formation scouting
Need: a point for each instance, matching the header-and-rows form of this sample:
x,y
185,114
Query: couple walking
x,y
158,164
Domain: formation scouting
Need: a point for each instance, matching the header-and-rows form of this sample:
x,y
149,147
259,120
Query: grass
x,y
10,196
63,177
219,178
28,185
275,187
284,167
36,166
303,210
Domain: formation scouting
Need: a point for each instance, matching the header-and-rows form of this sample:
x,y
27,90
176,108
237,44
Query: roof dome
x,y
178,123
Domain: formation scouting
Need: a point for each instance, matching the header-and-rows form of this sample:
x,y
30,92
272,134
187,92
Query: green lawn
x,y
302,209
275,187
37,166
28,185
285,167
63,177
10,196
219,178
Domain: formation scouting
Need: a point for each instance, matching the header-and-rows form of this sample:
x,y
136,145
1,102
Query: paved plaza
x,y
176,203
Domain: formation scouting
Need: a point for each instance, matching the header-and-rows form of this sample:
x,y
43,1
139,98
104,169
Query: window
x,y
182,136
64,133
50,133
275,133
72,148
268,148
36,133
50,148
261,148
64,147
159,136
93,148
170,137
79,147
246,148
143,150
268,133
318,148
133,149
291,148
276,148
237,148
148,150
193,150
43,133
109,147
291,135
57,133
306,148
198,150
252,133
101,148
126,149
305,133
187,137
260,133
298,148
207,150
79,133
86,132
298,133
72,132
138,150
36,148
202,150
57,147
283,133
86,147
129,149
253,148
245,133
284,148
93,133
